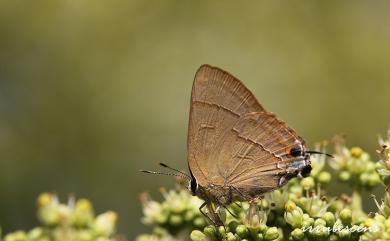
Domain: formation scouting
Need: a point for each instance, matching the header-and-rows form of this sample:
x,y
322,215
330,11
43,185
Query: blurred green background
x,y
93,91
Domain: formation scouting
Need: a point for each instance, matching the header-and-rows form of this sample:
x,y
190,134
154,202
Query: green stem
x,y
356,204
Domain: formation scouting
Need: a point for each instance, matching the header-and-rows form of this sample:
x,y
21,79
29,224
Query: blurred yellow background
x,y
93,91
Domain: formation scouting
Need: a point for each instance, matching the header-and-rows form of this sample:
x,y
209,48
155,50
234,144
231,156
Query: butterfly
x,y
237,151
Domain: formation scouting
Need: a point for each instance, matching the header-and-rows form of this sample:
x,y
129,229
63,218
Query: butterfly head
x,y
303,165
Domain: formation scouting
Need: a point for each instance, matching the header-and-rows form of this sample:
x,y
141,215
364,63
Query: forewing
x,y
218,101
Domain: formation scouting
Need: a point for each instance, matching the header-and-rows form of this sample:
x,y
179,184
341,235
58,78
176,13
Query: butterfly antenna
x,y
173,169
321,153
163,173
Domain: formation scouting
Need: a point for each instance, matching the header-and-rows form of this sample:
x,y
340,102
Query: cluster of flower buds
x,y
354,166
381,221
383,166
249,224
328,226
236,232
178,211
378,228
300,211
72,221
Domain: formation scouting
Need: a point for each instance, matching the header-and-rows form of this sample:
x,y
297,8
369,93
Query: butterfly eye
x,y
295,151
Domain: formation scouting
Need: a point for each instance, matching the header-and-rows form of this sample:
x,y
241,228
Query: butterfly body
x,y
237,151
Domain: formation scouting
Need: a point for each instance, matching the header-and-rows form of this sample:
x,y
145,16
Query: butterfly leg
x,y
212,215
204,214
235,216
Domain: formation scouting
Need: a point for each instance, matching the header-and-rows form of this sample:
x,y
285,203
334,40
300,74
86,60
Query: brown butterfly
x,y
237,151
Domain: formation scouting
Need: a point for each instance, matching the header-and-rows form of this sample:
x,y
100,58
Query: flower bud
x,y
189,215
319,222
324,177
295,191
336,205
290,206
297,234
320,232
346,216
104,224
82,214
344,234
16,236
338,225
259,237
175,220
143,237
271,233
85,235
387,223
199,222
344,176
197,235
176,201
329,218
44,199
380,218
35,234
307,221
49,215
221,231
210,231
363,178
356,152
264,203
242,231
308,183
154,212
373,179
230,237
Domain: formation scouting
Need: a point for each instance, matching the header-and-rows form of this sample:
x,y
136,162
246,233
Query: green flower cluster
x,y
383,166
354,166
74,221
381,220
301,210
173,217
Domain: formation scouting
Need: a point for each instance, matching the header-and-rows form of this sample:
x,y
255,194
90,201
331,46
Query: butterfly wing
x,y
218,100
233,141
